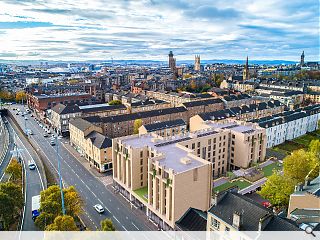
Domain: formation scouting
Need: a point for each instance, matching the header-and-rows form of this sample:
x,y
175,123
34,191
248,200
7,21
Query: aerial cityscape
x,y
170,119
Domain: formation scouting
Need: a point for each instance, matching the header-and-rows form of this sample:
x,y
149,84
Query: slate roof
x,y
141,115
163,125
251,213
193,220
236,97
66,109
102,108
202,102
80,123
231,112
99,140
146,103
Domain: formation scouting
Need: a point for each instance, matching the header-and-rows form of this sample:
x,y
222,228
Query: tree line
x,y
296,167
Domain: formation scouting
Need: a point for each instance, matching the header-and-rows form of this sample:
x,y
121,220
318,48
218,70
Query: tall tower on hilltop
x,y
246,71
197,63
302,59
172,62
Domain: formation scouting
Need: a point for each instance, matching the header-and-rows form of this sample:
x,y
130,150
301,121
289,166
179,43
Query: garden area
x,y
298,143
241,183
268,170
142,193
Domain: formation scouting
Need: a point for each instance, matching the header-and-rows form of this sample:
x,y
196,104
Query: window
x,y
141,161
195,174
198,144
141,154
215,224
193,145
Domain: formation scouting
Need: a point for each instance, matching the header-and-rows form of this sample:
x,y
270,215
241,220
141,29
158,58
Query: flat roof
x,y
232,126
172,153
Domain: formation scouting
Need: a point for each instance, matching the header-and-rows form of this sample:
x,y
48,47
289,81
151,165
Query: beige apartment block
x,y
240,144
89,141
157,175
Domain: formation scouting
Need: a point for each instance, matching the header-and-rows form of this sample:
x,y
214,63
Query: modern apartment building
x,y
157,174
236,144
89,141
290,124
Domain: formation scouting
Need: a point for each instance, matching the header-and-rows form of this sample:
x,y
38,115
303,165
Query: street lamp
x,y
60,178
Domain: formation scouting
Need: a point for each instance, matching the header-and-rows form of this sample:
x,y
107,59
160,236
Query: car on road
x,y
25,118
98,208
52,142
31,165
31,115
29,132
40,125
17,113
48,131
45,134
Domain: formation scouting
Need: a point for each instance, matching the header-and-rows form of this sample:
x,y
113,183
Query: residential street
x,y
90,188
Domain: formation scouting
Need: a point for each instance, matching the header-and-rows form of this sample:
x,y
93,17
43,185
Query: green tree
x,y
11,202
15,170
297,165
115,102
107,225
136,125
62,223
314,148
50,204
20,95
277,189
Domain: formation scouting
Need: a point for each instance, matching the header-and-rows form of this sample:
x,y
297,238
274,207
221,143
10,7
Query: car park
x,y
98,208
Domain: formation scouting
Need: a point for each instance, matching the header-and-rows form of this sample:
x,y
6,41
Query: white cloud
x,y
128,29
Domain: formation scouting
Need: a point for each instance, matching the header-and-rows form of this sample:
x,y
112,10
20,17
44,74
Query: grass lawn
x,y
288,147
240,183
142,192
305,139
267,170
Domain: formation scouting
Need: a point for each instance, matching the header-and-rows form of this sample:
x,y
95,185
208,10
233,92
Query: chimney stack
x,y
263,222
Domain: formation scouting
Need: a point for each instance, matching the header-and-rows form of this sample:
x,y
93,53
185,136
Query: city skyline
x,y
148,30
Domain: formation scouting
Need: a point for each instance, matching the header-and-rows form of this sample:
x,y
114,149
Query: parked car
x,y
45,134
98,208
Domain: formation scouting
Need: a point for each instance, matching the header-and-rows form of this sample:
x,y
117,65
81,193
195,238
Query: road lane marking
x,y
135,226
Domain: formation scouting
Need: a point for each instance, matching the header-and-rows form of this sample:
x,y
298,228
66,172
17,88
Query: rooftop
x,y
171,153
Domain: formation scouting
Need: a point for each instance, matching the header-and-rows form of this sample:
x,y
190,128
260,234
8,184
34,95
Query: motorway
x,y
90,188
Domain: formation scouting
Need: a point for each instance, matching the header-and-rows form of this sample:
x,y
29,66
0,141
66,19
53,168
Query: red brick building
x,y
41,103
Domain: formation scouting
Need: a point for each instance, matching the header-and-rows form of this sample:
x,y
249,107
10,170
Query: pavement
x,y
89,185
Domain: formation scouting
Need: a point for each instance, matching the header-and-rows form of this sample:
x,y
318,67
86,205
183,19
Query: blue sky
x,y
149,29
